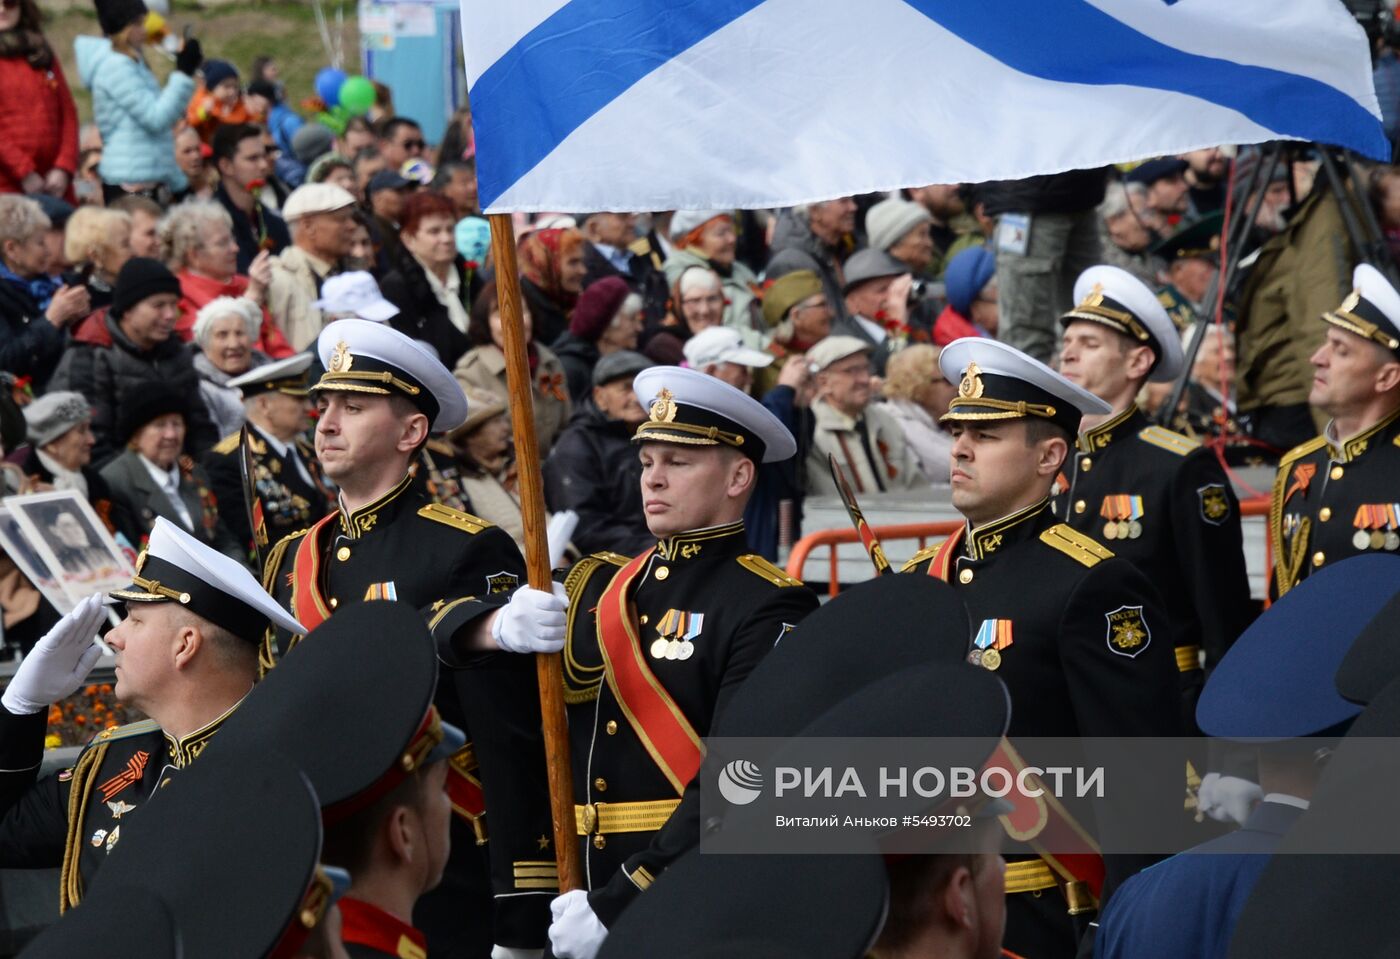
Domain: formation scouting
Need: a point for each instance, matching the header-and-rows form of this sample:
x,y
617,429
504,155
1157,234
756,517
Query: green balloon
x,y
357,95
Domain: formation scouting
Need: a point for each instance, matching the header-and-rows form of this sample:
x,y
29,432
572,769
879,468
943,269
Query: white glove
x,y
58,663
514,952
575,933
532,622
1227,798
558,533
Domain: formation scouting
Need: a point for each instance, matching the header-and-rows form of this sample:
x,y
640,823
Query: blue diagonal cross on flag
x,y
680,104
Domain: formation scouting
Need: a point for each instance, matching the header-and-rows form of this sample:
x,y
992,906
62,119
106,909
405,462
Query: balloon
x,y
357,95
329,80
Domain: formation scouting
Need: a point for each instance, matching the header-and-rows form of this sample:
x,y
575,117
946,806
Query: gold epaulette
x,y
228,444
640,246
1166,299
1301,450
774,574
455,518
923,555
1168,440
274,558
126,732
582,571
1082,549
581,683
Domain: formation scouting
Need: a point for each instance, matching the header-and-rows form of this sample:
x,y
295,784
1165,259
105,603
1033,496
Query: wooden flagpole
x,y
527,457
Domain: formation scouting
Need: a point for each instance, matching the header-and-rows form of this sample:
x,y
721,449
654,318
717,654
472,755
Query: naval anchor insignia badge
x,y
1128,634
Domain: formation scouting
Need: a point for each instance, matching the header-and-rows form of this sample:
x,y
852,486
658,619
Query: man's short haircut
x,y
349,844
390,125
224,144
916,888
230,651
1039,429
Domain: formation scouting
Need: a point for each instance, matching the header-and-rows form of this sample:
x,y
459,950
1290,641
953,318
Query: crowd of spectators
x,y
200,227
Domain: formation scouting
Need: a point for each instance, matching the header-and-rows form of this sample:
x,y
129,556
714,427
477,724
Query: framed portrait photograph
x,y
16,546
77,549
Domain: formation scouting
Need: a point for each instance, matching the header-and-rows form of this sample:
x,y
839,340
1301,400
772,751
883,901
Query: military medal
x,y
1376,525
992,636
1122,513
678,630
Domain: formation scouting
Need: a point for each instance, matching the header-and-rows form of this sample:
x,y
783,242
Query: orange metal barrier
x,y
923,532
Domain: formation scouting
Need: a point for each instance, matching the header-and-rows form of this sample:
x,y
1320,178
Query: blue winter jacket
x,y
134,115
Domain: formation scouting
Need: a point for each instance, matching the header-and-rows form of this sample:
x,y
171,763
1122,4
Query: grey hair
x,y
180,229
216,309
1115,202
21,218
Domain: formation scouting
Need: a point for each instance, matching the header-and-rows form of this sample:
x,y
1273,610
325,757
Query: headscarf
x,y
540,254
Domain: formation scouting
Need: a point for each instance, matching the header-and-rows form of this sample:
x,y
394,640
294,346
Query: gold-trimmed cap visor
x,y
364,357
1359,315
1112,297
999,382
686,407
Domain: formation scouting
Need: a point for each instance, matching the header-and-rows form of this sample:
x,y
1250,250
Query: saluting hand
x,y
58,663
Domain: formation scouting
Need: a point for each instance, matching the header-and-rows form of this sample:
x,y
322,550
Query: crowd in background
x,y
199,227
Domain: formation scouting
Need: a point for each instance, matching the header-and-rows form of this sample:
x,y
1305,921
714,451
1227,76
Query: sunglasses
x,y
407,144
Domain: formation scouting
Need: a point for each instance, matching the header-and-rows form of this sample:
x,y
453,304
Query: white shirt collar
x,y
166,479
272,441
1283,799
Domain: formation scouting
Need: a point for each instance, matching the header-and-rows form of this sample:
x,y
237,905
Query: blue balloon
x,y
328,83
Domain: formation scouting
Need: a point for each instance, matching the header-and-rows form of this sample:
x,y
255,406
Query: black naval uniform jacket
x,y
75,817
747,604
289,502
1334,500
1184,534
454,567
1083,644
1090,649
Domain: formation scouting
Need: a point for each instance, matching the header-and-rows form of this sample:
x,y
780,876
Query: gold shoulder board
x,y
927,553
760,566
127,731
455,518
227,445
1298,452
1082,549
582,571
1168,440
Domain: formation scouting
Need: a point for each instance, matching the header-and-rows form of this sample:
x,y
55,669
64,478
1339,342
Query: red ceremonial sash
x,y
942,564
465,792
307,605
1039,820
650,710
1045,824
